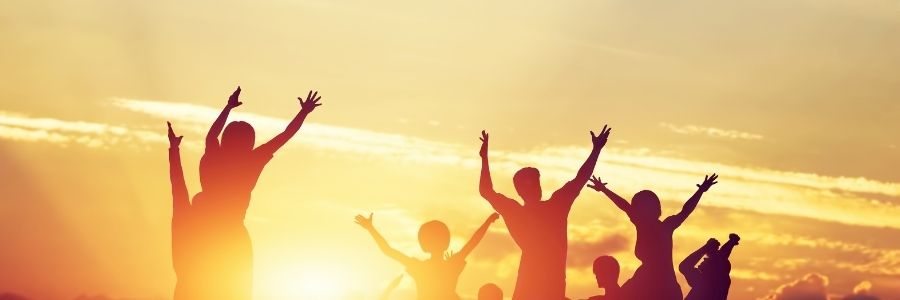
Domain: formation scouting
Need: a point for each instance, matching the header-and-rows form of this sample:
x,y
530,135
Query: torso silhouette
x,y
436,279
655,278
540,230
229,179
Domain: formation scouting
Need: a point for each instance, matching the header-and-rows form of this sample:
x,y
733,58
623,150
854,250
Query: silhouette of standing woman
x,y
437,276
655,278
222,251
539,227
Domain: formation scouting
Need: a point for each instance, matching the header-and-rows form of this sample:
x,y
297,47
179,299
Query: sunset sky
x,y
795,103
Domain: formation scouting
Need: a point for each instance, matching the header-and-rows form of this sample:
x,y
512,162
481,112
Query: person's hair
x,y
238,135
606,271
528,183
646,204
434,237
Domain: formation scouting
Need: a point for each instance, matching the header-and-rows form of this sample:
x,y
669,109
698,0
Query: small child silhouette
x,y
606,271
437,276
655,278
710,280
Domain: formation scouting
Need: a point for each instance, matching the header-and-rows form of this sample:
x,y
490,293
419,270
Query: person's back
x,y
540,231
539,227
436,278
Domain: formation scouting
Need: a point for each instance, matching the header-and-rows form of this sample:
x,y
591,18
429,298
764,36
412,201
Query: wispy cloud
x,y
829,198
711,131
21,127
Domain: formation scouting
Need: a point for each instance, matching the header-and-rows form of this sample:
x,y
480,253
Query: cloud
x,y
19,127
812,286
861,292
711,132
845,200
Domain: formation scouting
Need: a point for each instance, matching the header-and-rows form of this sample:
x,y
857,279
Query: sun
x,y
312,282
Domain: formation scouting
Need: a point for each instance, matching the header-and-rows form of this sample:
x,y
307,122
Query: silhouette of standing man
x,y
539,227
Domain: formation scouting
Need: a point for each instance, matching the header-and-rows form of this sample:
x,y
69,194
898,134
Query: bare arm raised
x,y
687,266
476,237
620,202
366,223
306,107
212,137
498,201
573,187
675,220
180,201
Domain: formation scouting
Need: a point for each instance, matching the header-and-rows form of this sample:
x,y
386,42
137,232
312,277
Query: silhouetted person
x,y
189,277
711,280
214,235
606,270
435,277
539,227
655,278
490,291
391,287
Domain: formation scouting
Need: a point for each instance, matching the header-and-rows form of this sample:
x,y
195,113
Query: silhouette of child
x,y
606,270
539,227
711,280
490,291
435,277
655,278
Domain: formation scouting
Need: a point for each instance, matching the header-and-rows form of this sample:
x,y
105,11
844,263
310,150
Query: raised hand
x,y
312,101
365,222
600,140
734,237
708,182
712,245
484,144
597,184
233,100
174,141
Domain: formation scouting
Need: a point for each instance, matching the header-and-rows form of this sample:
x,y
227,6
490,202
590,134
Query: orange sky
x,y
794,104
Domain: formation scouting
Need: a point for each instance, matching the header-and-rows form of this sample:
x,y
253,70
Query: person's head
x,y
238,136
606,270
490,291
528,184
645,205
434,238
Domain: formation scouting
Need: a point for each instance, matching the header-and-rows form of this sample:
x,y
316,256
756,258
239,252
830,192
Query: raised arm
x,y
598,141
366,224
498,201
476,237
688,265
306,107
568,192
620,202
675,220
212,137
180,198
726,249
